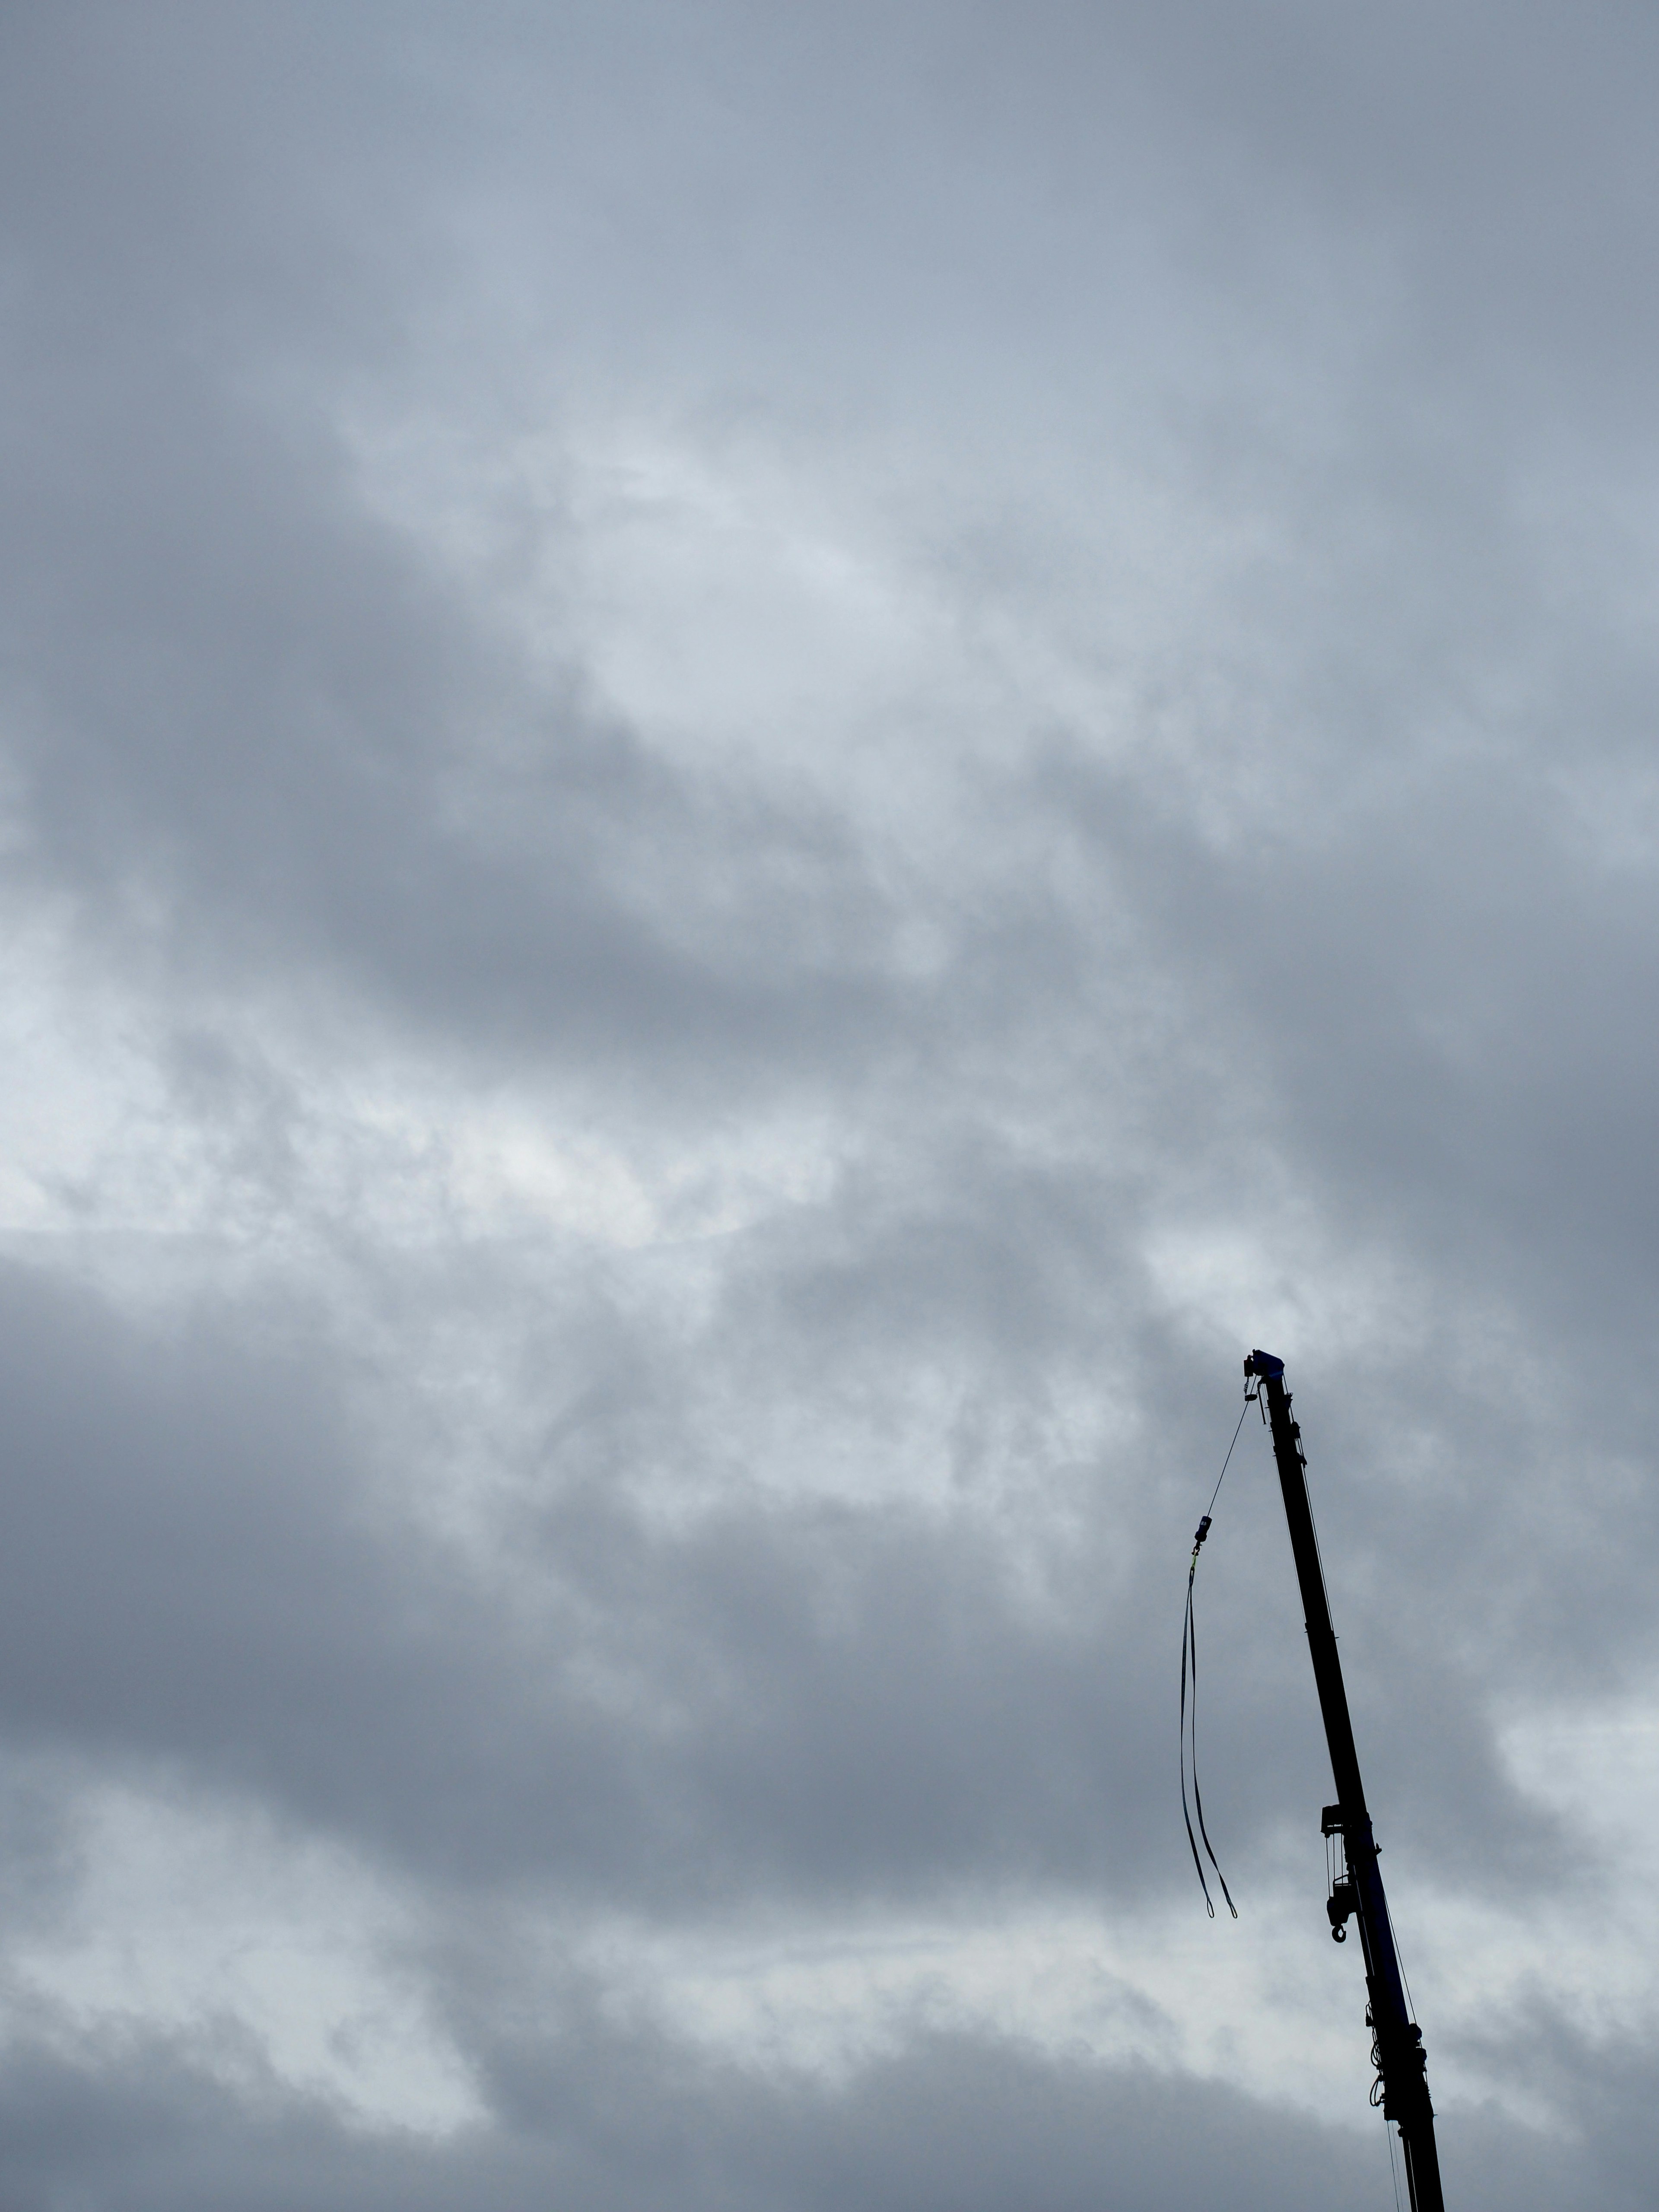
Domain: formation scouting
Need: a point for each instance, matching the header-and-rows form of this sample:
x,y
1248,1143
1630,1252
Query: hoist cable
x,y
1190,1731
1250,1399
1393,2171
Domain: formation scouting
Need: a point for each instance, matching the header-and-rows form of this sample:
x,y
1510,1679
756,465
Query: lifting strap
x,y
1190,1731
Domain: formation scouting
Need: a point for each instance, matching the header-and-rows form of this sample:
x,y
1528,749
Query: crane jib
x,y
1397,2041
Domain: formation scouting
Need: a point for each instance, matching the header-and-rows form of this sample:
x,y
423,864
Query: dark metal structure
x,y
1402,2088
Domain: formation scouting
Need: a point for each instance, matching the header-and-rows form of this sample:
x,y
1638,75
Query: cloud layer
x,y
758,772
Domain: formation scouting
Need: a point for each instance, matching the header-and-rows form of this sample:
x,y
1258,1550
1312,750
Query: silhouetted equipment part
x,y
1401,2087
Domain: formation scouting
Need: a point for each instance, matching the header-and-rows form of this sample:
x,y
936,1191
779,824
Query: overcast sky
x,y
760,766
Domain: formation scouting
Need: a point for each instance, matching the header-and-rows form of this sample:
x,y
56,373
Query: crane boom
x,y
1397,2044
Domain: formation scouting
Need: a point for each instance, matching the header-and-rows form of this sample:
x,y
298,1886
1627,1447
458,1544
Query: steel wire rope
x,y
1393,2171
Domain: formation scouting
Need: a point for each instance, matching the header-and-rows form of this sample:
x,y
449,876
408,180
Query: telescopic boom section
x,y
1397,2044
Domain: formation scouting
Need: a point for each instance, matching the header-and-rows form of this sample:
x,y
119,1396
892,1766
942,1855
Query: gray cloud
x,y
951,2122
631,1226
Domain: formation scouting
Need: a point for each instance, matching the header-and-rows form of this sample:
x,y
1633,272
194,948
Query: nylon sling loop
x,y
1189,1733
